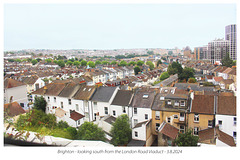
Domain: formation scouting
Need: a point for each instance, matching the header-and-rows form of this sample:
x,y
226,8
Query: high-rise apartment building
x,y
231,35
217,50
200,52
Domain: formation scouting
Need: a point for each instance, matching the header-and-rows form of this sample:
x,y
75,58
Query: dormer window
x,y
169,102
145,96
182,103
165,90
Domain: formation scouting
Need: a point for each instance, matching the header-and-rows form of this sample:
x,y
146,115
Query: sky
x,y
114,26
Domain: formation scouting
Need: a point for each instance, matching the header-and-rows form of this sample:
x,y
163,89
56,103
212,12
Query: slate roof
x,y
69,90
103,94
84,92
140,124
194,87
226,105
76,116
122,98
168,81
30,80
13,109
168,130
52,89
140,102
110,119
213,133
203,104
11,83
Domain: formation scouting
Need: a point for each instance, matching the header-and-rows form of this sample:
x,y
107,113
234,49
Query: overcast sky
x,y
114,26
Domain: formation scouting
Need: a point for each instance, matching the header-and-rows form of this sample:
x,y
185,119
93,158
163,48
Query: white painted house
x,y
15,91
226,117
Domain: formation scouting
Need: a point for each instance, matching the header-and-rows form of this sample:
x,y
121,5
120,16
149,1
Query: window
x,y
220,122
136,134
234,120
182,103
78,122
61,104
146,116
105,110
95,105
89,89
176,103
234,135
196,118
182,129
165,90
169,102
168,119
157,115
114,113
145,96
135,121
55,99
162,98
135,110
95,116
22,105
210,124
69,101
175,116
157,126
86,115
48,99
195,131
84,89
124,110
77,108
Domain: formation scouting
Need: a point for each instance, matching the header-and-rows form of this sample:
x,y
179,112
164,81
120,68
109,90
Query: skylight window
x,y
84,89
89,89
145,96
162,98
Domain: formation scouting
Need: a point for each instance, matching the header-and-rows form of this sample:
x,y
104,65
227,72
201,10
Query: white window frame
x,y
124,109
106,110
195,130
210,125
169,119
176,103
182,105
55,99
146,116
196,117
136,134
182,130
169,102
114,112
157,115
69,101
157,126
135,110
77,107
234,121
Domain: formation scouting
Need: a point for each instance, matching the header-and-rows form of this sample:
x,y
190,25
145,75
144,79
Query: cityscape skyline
x,y
109,26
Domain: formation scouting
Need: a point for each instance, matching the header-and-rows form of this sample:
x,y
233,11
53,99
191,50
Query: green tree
x,y
98,62
105,62
159,62
90,131
69,63
186,139
121,131
171,70
10,60
113,62
34,61
61,63
133,63
137,69
91,64
40,103
164,75
62,124
76,63
83,63
226,61
140,63
150,64
187,73
150,52
72,131
123,63
55,61
29,59
18,60
48,60
39,59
